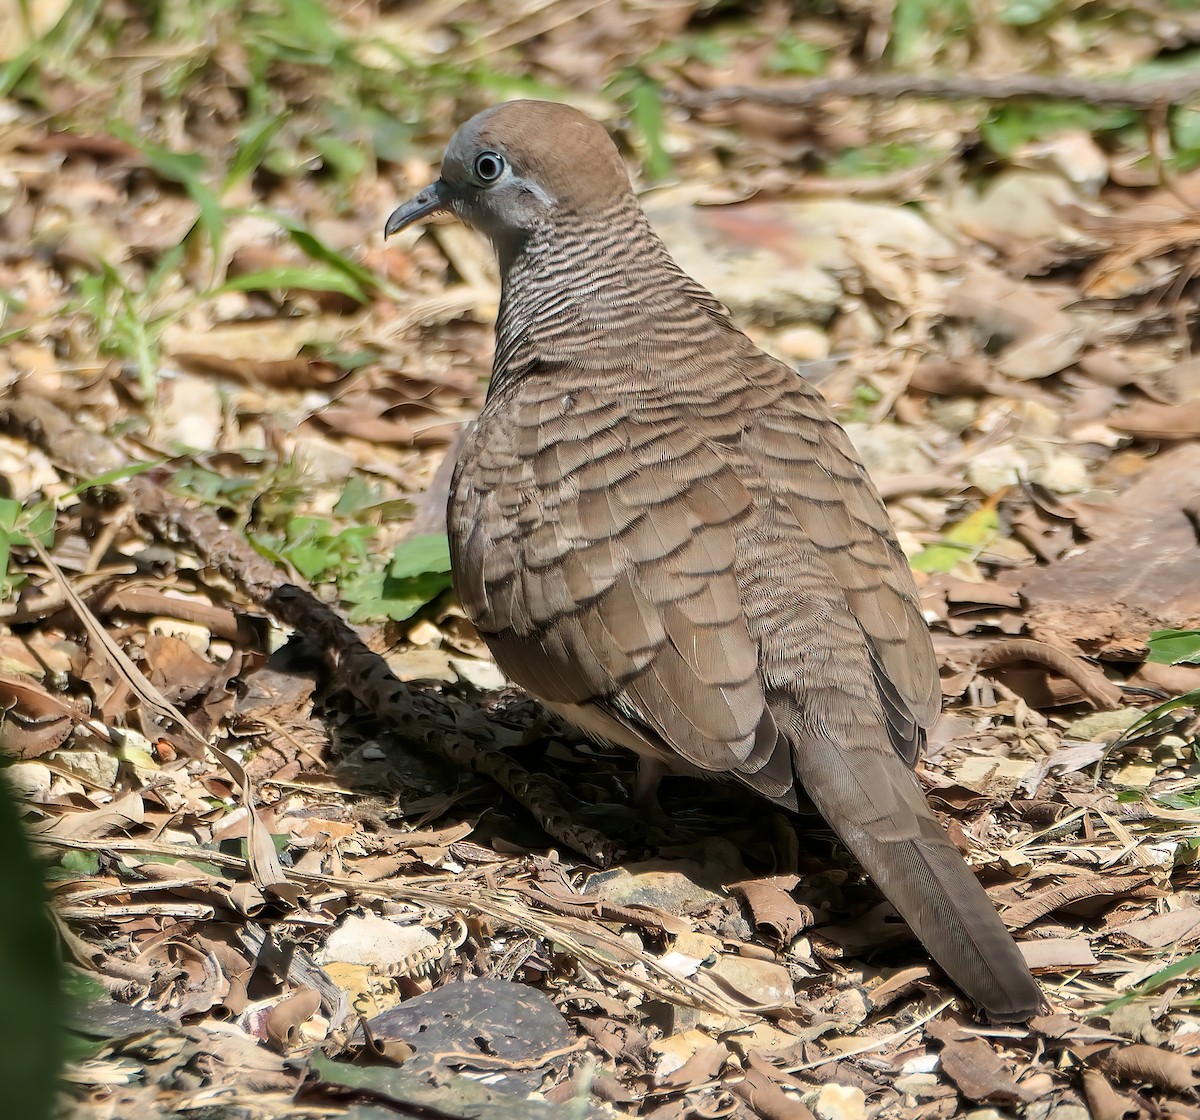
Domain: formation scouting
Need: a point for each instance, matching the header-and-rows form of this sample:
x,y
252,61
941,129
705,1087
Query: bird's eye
x,y
489,166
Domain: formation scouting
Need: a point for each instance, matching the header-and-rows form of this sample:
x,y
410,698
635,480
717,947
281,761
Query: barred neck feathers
x,y
582,271
598,292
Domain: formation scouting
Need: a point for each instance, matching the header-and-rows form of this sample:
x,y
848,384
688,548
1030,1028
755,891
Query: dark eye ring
x,y
489,166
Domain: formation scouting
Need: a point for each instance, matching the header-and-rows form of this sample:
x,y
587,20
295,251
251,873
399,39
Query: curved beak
x,y
432,200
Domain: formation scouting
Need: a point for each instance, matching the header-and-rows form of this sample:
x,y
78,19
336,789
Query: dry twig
x,y
362,673
886,87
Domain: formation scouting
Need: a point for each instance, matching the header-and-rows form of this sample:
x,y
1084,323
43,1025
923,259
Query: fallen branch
x,y
1097,688
366,676
356,669
886,87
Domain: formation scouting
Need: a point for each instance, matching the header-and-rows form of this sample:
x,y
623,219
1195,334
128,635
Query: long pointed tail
x,y
940,898
874,803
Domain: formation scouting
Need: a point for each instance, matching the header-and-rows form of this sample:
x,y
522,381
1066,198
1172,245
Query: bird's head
x,y
518,167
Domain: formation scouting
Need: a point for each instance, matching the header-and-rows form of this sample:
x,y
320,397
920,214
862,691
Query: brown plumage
x,y
663,534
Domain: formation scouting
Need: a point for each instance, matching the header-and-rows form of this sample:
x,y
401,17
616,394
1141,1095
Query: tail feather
x,y
940,898
875,804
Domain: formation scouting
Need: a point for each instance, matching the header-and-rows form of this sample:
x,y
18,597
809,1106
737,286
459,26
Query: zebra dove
x,y
664,535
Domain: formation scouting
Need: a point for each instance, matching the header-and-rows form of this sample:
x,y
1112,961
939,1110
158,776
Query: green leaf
x,y
348,360
311,560
709,48
370,602
1022,13
647,116
1169,64
117,474
315,248
358,495
316,551
377,595
875,159
308,24
1180,799
239,846
1009,127
420,555
392,139
253,146
10,512
920,27
14,69
283,278
40,523
1185,136
185,168
1174,647
122,321
796,56
79,862
1181,968
18,524
1187,700
348,161
962,541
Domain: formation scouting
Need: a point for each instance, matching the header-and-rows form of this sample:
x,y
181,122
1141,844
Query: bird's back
x,y
659,465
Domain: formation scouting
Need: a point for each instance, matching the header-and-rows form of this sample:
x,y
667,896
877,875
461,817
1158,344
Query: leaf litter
x,y
227,407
